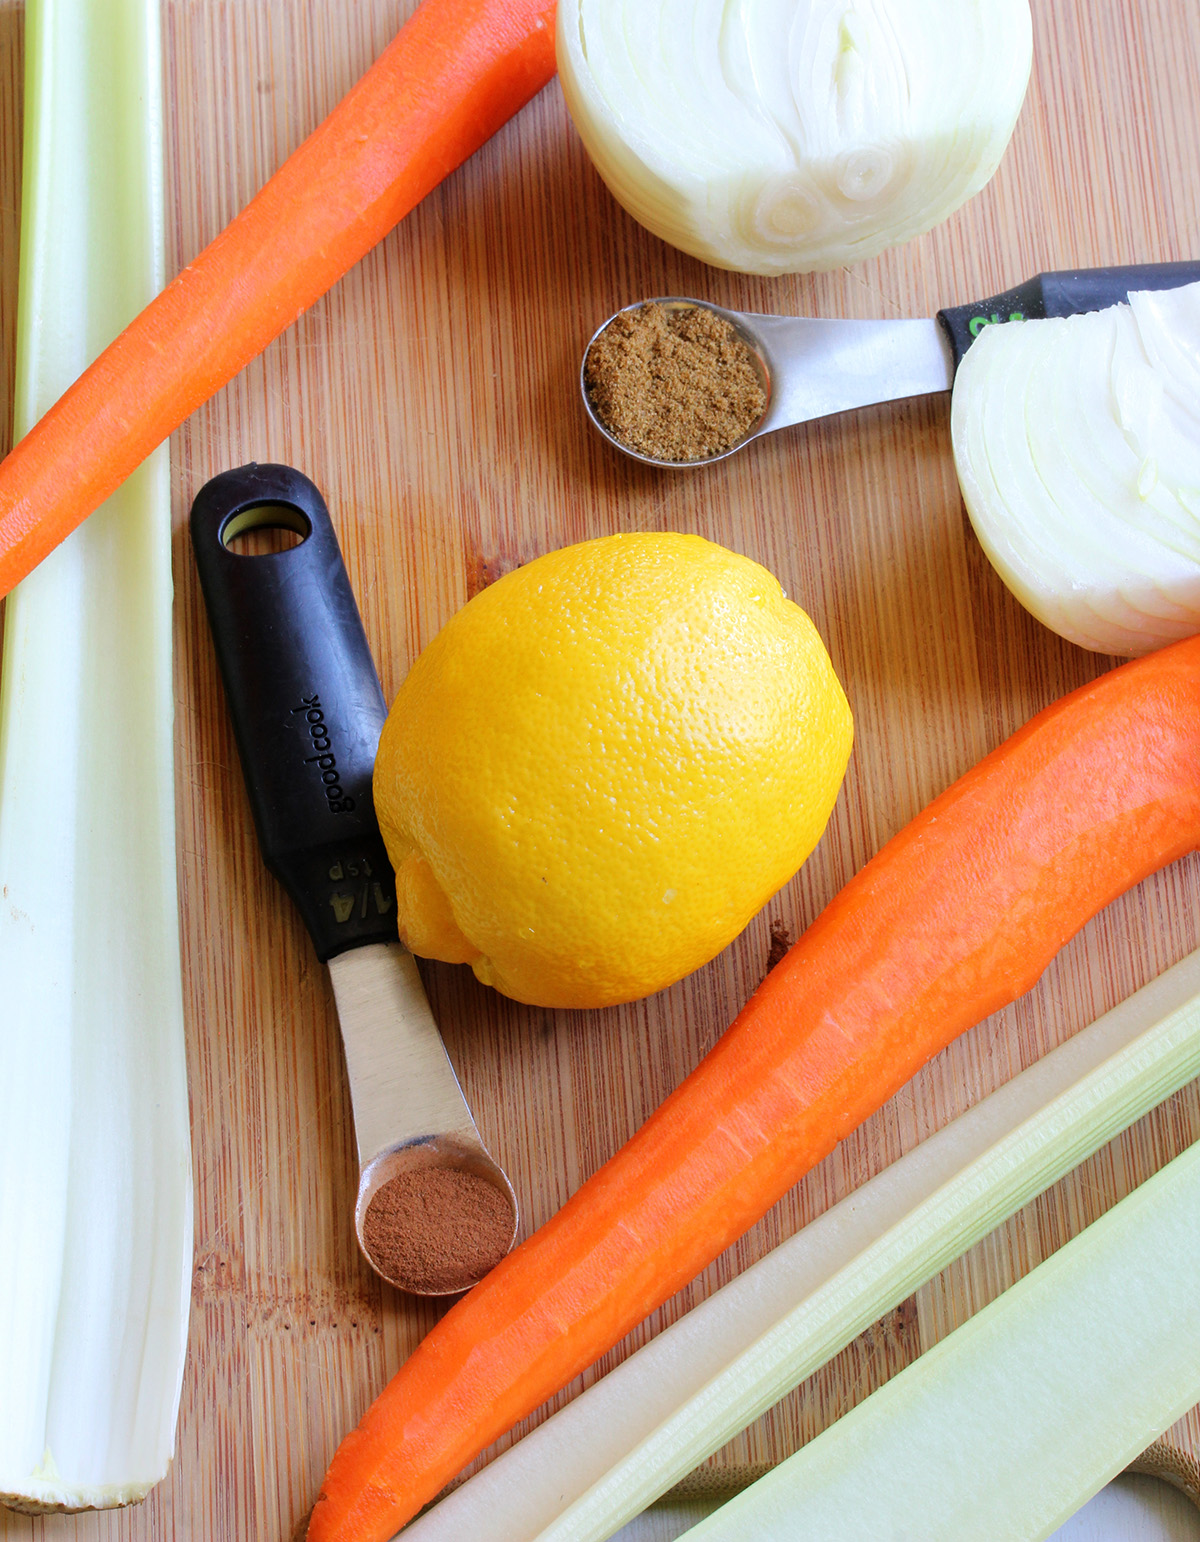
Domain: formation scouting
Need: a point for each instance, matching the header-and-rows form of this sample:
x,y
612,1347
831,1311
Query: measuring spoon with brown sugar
x,y
682,383
434,1212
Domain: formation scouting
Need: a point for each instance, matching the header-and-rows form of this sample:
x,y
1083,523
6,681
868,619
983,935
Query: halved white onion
x,y
1077,443
779,136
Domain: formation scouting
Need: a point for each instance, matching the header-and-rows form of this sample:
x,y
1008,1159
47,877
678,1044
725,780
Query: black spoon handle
x,y
305,700
1061,294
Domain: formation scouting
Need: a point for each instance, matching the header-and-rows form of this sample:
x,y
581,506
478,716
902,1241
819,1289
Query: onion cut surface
x,y
95,1163
780,136
1077,444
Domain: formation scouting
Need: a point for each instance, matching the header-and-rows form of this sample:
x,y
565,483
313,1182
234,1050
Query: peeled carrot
x,y
455,72
956,916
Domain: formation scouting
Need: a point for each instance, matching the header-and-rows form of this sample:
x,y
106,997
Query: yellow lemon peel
x,y
605,764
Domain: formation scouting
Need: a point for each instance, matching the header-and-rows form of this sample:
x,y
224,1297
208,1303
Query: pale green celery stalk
x,y
630,1436
95,1170
1004,1429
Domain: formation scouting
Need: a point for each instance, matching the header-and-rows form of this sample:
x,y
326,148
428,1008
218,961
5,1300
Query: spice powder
x,y
436,1230
676,384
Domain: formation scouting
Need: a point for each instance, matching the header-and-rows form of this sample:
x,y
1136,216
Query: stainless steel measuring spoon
x,y
307,711
810,367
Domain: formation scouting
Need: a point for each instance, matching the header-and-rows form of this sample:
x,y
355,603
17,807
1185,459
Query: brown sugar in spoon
x,y
433,1212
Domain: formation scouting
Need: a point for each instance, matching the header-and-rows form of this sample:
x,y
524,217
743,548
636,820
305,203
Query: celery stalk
x,y
1010,1424
95,1166
633,1434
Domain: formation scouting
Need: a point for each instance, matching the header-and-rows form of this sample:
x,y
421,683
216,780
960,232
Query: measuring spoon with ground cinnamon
x,y
433,1212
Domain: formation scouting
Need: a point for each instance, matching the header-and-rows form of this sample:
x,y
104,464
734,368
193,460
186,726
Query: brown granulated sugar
x,y
676,384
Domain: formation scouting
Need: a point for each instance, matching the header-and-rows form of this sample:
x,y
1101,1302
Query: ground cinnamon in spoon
x,y
675,384
433,1230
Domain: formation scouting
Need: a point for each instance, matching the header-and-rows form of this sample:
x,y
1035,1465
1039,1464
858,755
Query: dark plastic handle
x,y
1061,294
305,700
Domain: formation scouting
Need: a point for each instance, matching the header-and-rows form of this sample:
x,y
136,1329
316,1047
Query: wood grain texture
x,y
431,396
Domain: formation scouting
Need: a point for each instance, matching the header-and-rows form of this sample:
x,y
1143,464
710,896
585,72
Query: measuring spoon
x,y
307,711
810,367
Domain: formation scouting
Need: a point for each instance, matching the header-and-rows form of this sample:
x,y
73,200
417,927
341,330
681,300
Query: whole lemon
x,y
604,765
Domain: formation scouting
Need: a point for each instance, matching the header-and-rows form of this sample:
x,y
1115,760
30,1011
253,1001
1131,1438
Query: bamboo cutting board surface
x,y
432,397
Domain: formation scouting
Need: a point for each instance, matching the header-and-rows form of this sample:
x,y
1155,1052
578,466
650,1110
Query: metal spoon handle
x,y
402,1085
819,366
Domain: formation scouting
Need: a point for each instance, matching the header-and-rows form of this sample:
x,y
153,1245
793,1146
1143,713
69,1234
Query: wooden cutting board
x,y
432,397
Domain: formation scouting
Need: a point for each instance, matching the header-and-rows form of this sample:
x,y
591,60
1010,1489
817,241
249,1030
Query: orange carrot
x,y
453,75
956,916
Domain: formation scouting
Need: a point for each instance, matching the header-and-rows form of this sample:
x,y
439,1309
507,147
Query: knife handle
x,y
304,697
1061,294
